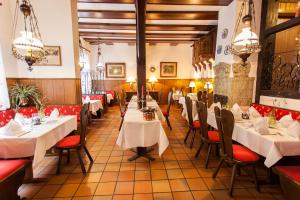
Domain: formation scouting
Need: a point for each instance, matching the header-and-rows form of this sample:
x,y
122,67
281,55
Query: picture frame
x,y
115,70
52,57
168,69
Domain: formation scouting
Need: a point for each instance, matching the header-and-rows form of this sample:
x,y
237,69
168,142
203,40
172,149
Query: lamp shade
x,y
192,84
208,85
27,41
153,79
246,37
130,79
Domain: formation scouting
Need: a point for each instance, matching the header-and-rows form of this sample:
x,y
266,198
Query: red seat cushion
x,y
65,110
95,97
244,154
9,167
6,116
196,124
111,92
165,113
69,141
28,111
214,136
293,172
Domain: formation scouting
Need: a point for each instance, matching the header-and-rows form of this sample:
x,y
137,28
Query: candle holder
x,y
142,103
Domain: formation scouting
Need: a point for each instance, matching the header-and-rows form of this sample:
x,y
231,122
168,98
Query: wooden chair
x,y
212,138
12,173
199,95
76,142
122,111
193,125
167,113
233,154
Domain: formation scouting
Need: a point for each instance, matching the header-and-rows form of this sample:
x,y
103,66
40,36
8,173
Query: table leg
x,y
142,152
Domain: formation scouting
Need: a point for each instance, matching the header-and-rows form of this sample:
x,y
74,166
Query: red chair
x,y
167,113
193,125
212,138
76,142
289,180
233,154
12,173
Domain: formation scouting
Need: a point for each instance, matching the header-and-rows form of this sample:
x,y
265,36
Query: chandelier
x,y
28,47
246,42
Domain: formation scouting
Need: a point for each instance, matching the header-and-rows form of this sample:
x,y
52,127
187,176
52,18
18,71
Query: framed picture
x,y
52,57
168,69
115,70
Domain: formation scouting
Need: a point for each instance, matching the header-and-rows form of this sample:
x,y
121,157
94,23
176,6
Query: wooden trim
x,y
283,26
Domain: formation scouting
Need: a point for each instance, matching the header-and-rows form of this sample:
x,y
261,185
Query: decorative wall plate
x,y
226,50
219,49
152,69
224,33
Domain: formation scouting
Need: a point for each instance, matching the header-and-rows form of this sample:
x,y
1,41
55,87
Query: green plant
x,y
20,95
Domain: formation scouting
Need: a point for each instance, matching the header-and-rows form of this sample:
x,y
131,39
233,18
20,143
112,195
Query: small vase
x,y
24,101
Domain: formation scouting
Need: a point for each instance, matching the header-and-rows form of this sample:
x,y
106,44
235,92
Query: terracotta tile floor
x,y
177,175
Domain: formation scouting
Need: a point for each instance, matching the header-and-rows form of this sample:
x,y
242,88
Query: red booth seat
x,y
6,116
292,172
95,97
9,167
65,110
111,92
279,112
28,111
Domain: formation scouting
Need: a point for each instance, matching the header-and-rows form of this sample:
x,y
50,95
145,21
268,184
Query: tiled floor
x,y
177,175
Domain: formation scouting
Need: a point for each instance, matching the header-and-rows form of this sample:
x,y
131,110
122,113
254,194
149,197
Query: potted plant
x,y
21,95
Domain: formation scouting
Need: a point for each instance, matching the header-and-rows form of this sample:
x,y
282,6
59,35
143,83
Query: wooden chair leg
x,y
168,122
200,147
121,124
88,154
208,154
59,161
80,161
193,138
233,175
187,135
255,179
218,168
68,158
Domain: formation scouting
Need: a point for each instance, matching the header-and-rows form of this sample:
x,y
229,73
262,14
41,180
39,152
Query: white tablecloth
x,y
272,147
109,97
136,132
177,96
184,111
38,141
95,105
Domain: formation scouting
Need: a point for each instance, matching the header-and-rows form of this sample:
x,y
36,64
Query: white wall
x,y
55,23
182,54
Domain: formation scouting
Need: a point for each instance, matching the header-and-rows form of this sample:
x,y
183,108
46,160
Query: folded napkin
x,y
213,105
294,130
20,119
286,121
261,125
237,112
87,99
254,113
54,115
12,128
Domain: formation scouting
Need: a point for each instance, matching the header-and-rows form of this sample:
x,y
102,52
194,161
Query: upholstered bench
x,y
279,112
6,116
65,110
289,181
12,173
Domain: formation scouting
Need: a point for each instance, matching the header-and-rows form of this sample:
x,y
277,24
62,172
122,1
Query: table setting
x,y
95,105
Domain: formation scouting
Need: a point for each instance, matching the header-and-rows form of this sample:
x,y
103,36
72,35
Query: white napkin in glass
x,y
254,113
294,130
54,115
286,121
237,112
12,128
261,125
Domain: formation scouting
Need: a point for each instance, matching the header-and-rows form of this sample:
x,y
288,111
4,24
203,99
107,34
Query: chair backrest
x,y
83,122
227,123
202,113
189,110
199,95
170,98
219,125
119,102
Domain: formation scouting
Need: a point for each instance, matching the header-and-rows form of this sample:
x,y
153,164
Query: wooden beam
x,y
132,35
103,41
106,1
108,26
107,14
182,15
141,49
192,2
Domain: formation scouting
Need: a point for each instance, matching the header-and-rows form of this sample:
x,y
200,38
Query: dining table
x,y
272,146
136,132
109,97
38,140
194,108
95,105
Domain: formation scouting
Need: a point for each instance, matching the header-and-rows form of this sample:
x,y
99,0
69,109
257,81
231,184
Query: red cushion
x,y
165,113
69,141
214,136
28,111
6,116
9,167
293,172
65,110
95,97
196,124
111,92
244,154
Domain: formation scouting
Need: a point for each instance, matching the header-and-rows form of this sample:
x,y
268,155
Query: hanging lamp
x,y
246,42
29,46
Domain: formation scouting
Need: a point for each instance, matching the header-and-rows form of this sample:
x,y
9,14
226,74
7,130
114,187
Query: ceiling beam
x,y
147,41
106,1
108,14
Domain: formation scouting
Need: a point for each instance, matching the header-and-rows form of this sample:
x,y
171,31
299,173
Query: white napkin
x,y
294,130
54,115
286,121
254,113
237,112
87,99
20,119
12,128
213,105
261,125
